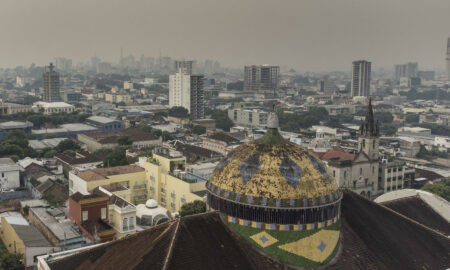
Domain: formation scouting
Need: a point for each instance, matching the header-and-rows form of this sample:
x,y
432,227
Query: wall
x,y
21,194
32,218
10,178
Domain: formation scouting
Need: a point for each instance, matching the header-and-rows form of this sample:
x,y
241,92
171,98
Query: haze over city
x,y
304,35
240,134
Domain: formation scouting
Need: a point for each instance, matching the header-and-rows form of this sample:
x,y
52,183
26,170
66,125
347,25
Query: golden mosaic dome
x,y
274,168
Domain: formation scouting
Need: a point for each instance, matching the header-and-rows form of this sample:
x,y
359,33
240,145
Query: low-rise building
x,y
53,107
23,238
110,139
90,213
248,117
81,162
129,176
12,108
195,153
118,97
52,223
391,175
65,130
122,213
7,127
220,142
9,174
104,123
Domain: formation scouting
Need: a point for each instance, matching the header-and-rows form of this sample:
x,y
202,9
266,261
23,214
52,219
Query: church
x,y
358,172
274,205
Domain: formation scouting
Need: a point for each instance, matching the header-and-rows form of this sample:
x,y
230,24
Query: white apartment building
x,y
179,90
248,117
9,174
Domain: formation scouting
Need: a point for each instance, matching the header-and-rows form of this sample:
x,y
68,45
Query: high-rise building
x,y
448,59
50,83
409,70
261,78
187,66
360,78
187,91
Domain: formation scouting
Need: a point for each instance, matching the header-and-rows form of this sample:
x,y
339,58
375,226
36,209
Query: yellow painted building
x,y
162,178
23,238
168,182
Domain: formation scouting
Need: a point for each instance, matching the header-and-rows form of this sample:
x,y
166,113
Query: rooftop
x,y
221,136
103,173
31,236
79,197
102,119
52,104
6,161
62,230
373,237
15,124
135,135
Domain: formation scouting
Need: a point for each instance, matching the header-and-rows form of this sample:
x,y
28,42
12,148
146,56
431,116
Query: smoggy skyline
x,y
306,35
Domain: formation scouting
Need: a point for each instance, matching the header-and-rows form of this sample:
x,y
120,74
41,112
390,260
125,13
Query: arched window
x,y
374,144
345,174
360,171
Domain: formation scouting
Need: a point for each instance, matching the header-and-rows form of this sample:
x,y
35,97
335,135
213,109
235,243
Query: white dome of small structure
x,y
151,203
151,214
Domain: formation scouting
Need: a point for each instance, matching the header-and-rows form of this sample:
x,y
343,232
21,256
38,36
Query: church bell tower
x,y
368,140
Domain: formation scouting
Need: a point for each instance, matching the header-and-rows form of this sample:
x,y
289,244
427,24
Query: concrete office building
x,y
360,78
261,78
50,83
408,70
187,91
187,66
448,59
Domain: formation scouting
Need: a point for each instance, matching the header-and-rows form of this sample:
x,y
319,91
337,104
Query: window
x,y
125,224
131,223
334,173
3,174
373,169
85,215
360,171
103,213
373,144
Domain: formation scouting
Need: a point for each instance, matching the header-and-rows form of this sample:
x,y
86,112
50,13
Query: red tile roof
x,y
336,153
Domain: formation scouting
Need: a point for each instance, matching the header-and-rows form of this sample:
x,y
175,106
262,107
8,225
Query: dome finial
x,y
272,119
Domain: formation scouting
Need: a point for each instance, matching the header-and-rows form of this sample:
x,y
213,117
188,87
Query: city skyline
x,y
307,36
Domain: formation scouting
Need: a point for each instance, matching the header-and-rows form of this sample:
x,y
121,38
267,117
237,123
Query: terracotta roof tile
x,y
103,173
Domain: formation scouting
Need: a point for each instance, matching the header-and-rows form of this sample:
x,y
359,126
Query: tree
x,y
441,188
50,136
412,118
199,130
67,144
50,154
194,207
116,158
178,111
125,140
222,120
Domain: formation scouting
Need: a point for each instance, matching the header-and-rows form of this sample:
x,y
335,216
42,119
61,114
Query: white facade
x,y
247,117
77,184
9,174
53,107
180,90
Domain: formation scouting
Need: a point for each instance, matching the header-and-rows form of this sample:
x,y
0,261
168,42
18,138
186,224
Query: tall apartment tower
x,y
50,83
187,91
261,78
187,66
360,78
409,70
448,59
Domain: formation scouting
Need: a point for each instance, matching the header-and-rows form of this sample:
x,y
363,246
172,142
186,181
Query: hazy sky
x,y
307,35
